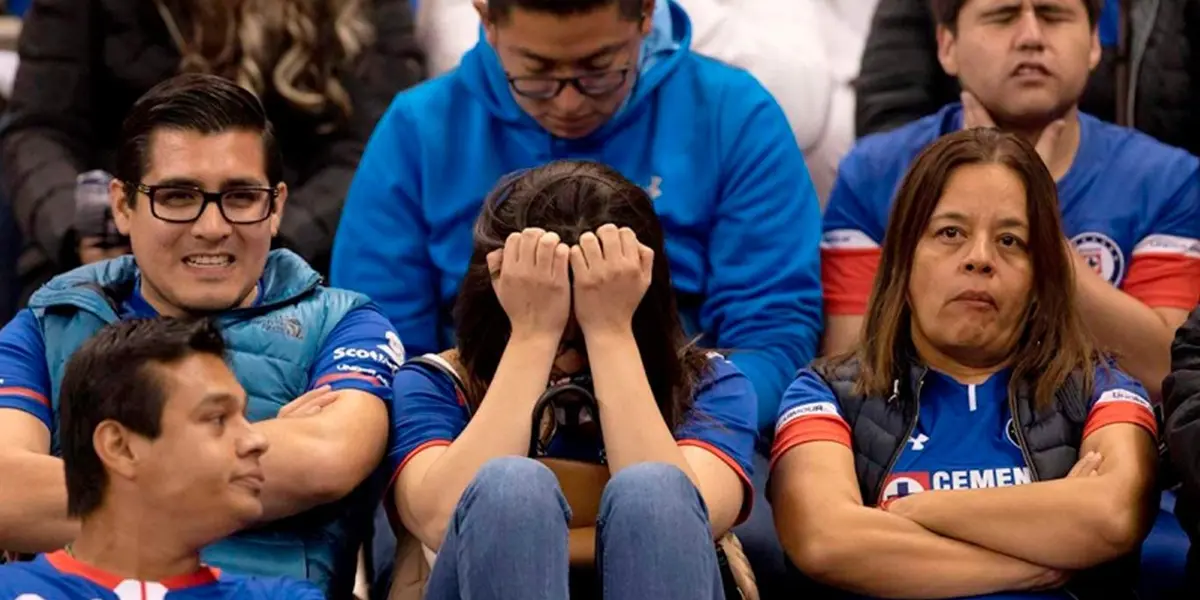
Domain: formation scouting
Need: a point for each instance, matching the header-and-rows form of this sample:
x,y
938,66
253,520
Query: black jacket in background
x,y
83,65
901,79
1181,394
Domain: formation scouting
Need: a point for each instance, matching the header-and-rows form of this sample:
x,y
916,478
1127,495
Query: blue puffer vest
x,y
1049,439
271,348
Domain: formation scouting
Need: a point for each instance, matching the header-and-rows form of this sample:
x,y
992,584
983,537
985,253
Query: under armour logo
x,y
918,442
654,189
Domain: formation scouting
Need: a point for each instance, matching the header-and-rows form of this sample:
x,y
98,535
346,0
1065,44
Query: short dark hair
x,y
945,12
499,10
110,377
203,103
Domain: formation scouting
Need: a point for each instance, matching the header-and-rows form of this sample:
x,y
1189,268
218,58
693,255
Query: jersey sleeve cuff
x,y
747,485
28,401
389,495
812,428
1121,412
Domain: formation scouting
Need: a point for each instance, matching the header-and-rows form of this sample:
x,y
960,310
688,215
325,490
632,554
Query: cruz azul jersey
x,y
1130,205
58,576
965,436
429,412
362,352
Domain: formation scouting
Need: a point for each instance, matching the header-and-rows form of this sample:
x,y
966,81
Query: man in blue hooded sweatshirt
x,y
613,81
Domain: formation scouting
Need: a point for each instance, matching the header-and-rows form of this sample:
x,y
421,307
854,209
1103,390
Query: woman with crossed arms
x,y
975,443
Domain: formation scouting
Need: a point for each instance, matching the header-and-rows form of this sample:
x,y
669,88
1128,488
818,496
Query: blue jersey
x,y
1130,205
429,413
965,436
362,353
58,576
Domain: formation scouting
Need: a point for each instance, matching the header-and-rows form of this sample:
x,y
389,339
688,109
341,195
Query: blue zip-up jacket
x,y
707,141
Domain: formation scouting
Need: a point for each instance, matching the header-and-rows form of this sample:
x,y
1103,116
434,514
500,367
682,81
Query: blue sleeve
x,y
24,376
361,353
381,247
763,299
279,588
722,421
427,412
848,209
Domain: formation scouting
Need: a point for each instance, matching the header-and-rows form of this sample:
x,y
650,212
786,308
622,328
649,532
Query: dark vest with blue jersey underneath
x,y
271,347
1049,440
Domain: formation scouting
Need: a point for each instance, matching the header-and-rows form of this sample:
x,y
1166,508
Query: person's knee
x,y
652,493
517,488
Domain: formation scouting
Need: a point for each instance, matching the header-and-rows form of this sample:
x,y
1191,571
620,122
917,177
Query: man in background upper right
x,y
1130,204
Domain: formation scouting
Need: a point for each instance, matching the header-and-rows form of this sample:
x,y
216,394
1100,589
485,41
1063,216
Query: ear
x,y
1094,51
947,50
489,27
280,202
647,17
122,211
116,449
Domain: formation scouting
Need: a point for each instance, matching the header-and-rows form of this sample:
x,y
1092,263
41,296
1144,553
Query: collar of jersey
x,y
69,565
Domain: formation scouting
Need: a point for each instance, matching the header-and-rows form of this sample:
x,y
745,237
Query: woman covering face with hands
x,y
574,441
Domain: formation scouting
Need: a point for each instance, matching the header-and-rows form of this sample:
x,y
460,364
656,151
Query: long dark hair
x,y
571,198
1055,342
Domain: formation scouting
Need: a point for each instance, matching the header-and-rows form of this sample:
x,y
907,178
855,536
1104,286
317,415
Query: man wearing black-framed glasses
x,y
197,189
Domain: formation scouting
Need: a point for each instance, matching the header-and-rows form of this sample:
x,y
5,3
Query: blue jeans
x,y
508,537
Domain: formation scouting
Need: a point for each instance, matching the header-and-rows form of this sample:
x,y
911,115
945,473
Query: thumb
x,y
494,258
646,256
974,114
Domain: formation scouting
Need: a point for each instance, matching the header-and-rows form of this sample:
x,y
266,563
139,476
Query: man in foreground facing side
x,y
160,461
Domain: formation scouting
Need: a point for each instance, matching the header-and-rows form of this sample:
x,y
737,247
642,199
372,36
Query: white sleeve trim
x,y
1160,243
847,239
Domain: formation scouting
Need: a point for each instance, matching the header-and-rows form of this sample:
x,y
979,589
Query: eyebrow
x,y
217,400
232,182
1004,223
606,50
1006,8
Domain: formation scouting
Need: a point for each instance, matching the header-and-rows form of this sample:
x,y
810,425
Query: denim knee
x,y
518,490
654,494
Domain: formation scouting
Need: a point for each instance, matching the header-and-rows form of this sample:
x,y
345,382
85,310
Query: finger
x,y
629,243
1049,138
544,258
529,245
494,258
590,245
646,256
512,250
562,258
306,399
297,406
1081,466
579,263
610,241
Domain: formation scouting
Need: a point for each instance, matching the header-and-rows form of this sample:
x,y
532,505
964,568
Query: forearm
x,y
318,459
1130,330
33,504
500,427
634,430
871,552
1071,523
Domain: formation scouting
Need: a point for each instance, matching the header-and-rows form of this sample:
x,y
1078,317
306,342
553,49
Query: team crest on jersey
x,y
900,485
1102,254
1010,432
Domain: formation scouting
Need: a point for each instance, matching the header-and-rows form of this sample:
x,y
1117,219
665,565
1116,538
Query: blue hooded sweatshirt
x,y
706,140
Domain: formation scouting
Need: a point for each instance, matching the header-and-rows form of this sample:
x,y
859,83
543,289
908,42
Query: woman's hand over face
x,y
530,278
612,272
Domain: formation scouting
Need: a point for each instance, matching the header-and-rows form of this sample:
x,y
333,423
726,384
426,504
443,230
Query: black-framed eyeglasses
x,y
184,204
592,85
